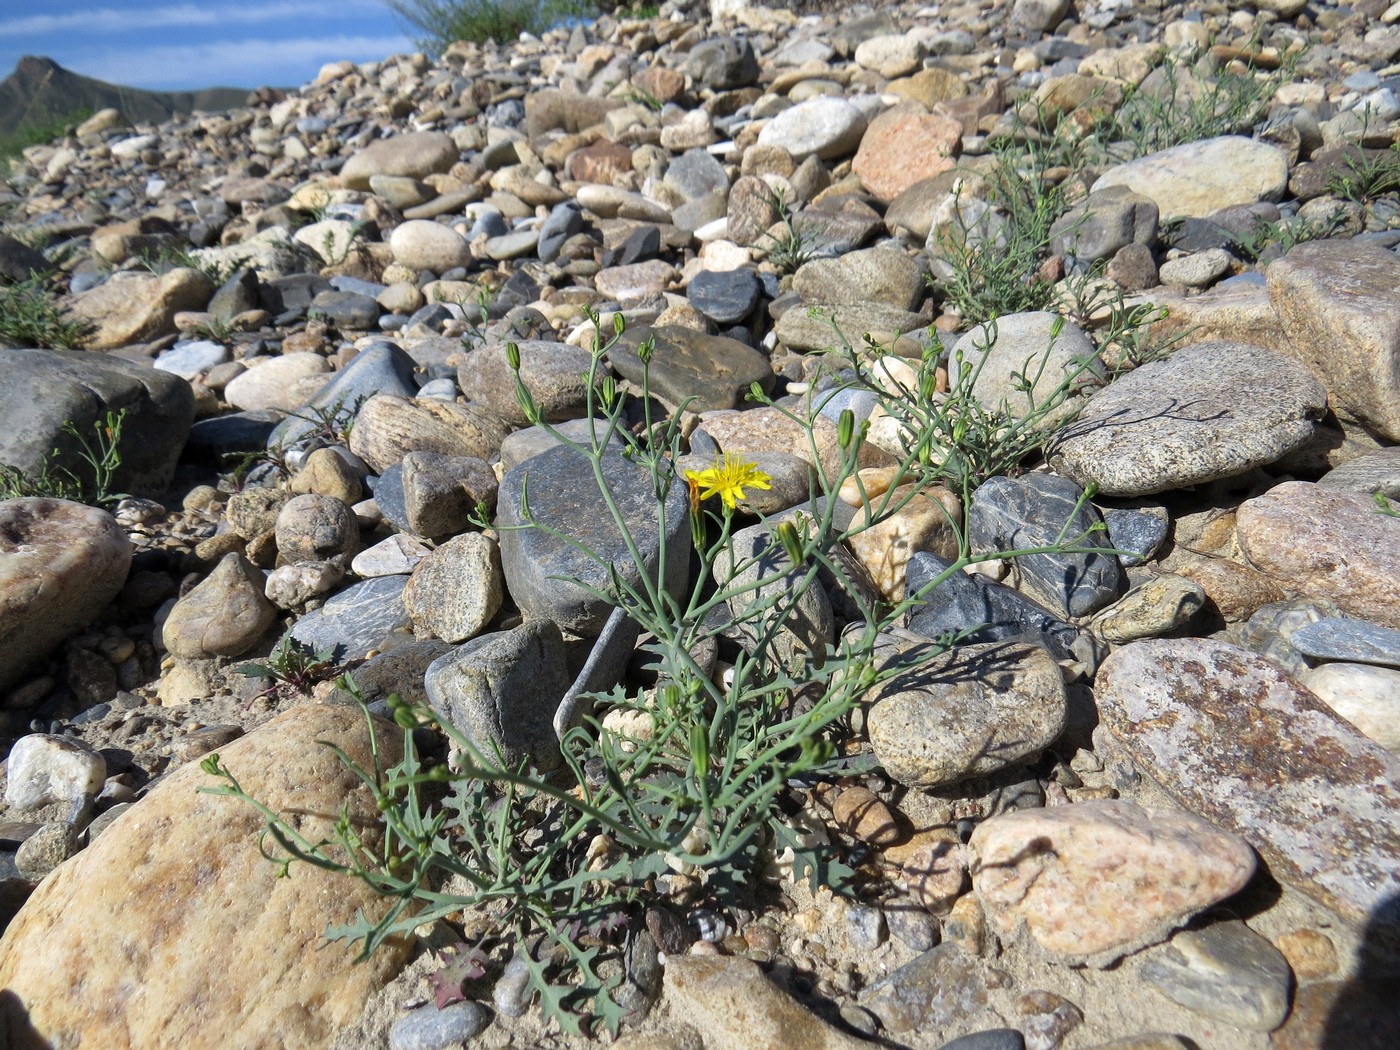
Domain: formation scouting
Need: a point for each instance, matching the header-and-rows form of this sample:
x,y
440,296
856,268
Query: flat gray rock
x,y
1225,971
1345,638
381,368
548,576
711,370
1210,411
357,619
1233,738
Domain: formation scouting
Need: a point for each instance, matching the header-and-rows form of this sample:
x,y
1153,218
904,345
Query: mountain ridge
x,y
40,90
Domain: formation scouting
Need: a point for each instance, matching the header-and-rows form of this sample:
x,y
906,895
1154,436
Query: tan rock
x,y
928,521
224,615
859,812
414,155
903,146
200,940
388,427
136,308
737,1008
1336,300
1093,881
1325,544
60,564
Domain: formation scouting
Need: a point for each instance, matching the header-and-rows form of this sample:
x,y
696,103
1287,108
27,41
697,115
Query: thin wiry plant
x,y
558,866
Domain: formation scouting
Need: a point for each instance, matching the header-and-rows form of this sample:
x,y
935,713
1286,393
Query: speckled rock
x,y
244,951
1094,881
1325,544
1212,410
314,528
973,711
1238,741
456,590
1337,304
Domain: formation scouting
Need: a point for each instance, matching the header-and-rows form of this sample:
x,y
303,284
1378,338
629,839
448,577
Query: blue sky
x,y
167,45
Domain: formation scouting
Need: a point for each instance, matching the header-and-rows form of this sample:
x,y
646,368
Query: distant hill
x,y
40,91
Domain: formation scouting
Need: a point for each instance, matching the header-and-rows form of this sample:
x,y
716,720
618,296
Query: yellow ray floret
x,y
727,479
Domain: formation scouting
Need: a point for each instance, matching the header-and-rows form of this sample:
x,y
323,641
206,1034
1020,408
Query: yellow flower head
x,y
727,479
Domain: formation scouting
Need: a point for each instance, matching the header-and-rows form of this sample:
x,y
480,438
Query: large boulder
x,y
45,389
60,564
172,929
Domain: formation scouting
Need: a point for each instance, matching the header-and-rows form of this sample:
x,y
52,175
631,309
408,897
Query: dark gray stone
x,y
235,295
399,671
1139,530
641,244
1032,511
382,368
18,260
502,690
231,435
991,612
565,220
348,309
357,619
1104,222
1345,638
711,370
604,668
45,389
1225,971
725,297
293,293
722,63
546,575
390,499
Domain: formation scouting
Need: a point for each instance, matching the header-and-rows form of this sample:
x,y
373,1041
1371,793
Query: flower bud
x,y
513,357
619,323
845,427
647,349
608,391
792,543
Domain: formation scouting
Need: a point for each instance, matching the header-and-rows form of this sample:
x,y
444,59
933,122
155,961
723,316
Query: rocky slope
x,y
1149,800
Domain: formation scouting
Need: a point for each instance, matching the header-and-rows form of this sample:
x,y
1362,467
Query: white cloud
x,y
214,15
238,63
